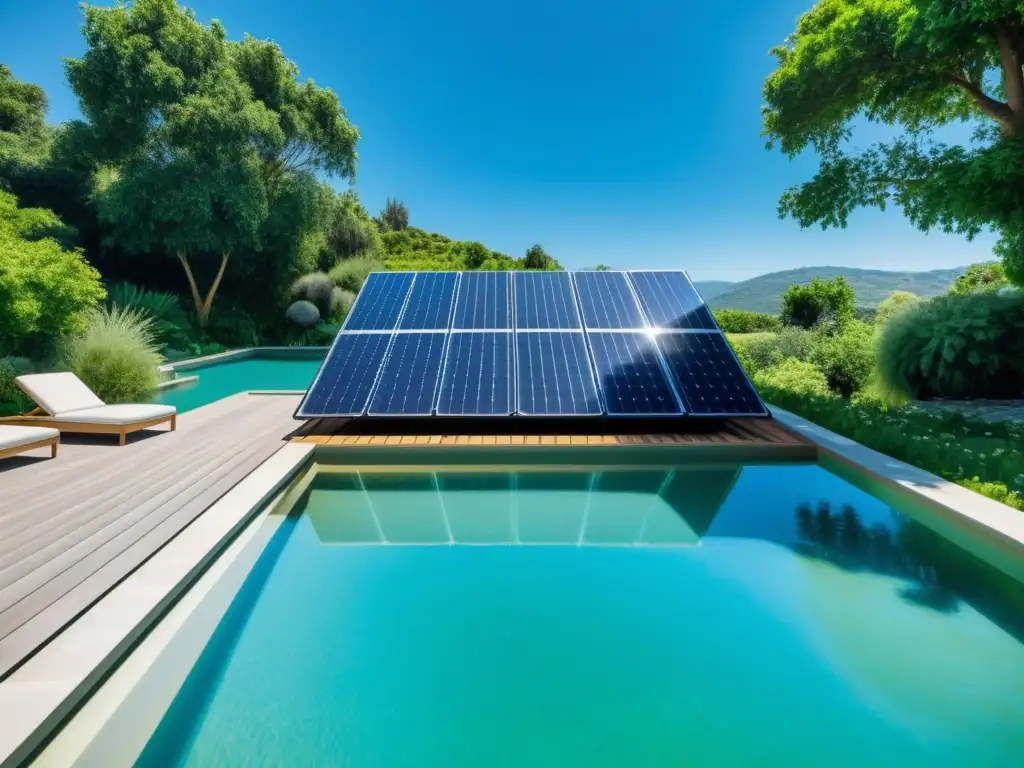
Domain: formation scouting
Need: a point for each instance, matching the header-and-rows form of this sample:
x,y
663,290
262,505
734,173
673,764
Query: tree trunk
x,y
1013,79
203,306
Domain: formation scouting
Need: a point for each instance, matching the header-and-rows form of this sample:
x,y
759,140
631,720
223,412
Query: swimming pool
x,y
222,379
708,614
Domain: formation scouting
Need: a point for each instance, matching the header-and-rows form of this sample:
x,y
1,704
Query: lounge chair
x,y
15,440
66,404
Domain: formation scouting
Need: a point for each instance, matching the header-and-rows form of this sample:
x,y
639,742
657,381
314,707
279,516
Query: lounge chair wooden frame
x,y
31,419
52,442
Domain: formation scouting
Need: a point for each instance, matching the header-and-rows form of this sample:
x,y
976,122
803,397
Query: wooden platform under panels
x,y
551,432
72,527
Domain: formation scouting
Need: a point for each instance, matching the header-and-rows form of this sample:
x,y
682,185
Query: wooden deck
x,y
72,527
539,432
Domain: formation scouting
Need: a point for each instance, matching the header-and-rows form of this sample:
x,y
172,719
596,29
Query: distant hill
x,y
709,289
764,293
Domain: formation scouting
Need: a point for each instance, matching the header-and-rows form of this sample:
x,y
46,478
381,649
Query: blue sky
x,y
623,133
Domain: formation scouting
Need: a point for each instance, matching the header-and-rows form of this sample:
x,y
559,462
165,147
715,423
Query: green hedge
x,y
742,321
985,457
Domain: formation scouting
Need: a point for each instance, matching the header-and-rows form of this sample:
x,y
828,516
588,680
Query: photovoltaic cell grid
x,y
530,343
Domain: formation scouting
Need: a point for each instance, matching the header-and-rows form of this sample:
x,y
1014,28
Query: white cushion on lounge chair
x,y
58,392
115,414
12,436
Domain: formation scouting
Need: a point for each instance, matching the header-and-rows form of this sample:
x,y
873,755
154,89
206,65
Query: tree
x,y
22,105
394,217
602,268
894,304
349,230
826,303
213,146
536,258
980,278
917,65
44,288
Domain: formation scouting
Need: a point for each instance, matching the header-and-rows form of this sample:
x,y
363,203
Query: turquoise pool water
x,y
729,616
224,379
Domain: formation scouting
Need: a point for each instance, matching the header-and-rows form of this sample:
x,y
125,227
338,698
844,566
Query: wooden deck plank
x,y
143,494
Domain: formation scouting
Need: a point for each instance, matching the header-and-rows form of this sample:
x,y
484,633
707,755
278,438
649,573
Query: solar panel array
x,y
634,344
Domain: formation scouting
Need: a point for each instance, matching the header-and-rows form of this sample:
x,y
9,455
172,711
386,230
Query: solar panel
x,y
531,343
706,372
429,307
477,378
670,300
554,376
380,302
545,300
630,376
408,380
344,382
607,301
483,302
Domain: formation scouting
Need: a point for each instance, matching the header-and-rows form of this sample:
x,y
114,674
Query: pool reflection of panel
x,y
429,307
693,496
408,381
483,301
630,375
380,302
607,301
347,376
670,301
341,512
479,507
622,504
408,508
551,508
707,374
554,376
545,300
477,378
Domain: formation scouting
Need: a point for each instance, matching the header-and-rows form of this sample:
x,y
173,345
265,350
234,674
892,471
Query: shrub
x,y
233,327
303,314
830,303
317,289
980,278
350,274
394,217
742,321
763,350
10,393
171,325
893,304
983,456
847,358
320,336
116,356
956,346
795,376
342,302
44,289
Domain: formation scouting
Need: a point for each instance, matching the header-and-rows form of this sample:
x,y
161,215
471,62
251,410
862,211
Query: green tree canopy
x,y
980,278
917,65
212,145
44,288
825,303
22,105
394,217
537,258
895,303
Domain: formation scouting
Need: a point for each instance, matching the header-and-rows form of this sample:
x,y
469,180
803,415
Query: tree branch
x,y
1013,75
993,108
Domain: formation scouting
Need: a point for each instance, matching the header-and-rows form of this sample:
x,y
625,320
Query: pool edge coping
x,y
958,508
233,354
37,697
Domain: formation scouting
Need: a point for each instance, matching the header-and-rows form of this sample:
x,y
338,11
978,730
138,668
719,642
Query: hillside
x,y
763,293
414,249
710,289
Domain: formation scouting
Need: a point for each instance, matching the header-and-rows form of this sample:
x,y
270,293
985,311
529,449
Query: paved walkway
x,y
71,528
